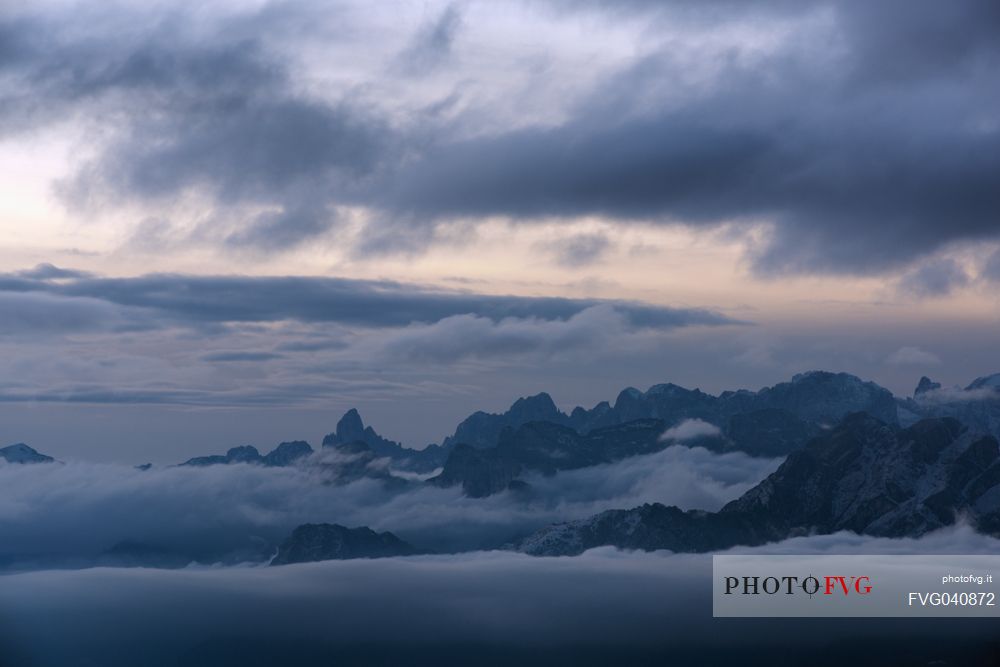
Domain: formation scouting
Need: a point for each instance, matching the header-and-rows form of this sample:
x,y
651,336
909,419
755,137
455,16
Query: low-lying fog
x,y
68,514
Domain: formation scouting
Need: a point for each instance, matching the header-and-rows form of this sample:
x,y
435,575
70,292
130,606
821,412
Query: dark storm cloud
x,y
900,41
863,163
867,141
222,299
857,185
215,115
58,68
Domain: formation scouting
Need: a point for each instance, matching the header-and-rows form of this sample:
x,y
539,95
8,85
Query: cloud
x,y
432,44
70,513
221,299
231,123
935,278
580,250
857,179
187,340
820,123
241,356
47,314
950,395
46,271
912,356
689,429
470,336
602,607
695,477
991,269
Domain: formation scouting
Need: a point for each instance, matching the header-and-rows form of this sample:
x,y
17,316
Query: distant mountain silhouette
x,y
284,454
771,422
21,453
324,541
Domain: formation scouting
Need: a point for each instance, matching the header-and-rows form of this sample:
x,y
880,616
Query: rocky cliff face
x,y
864,476
324,541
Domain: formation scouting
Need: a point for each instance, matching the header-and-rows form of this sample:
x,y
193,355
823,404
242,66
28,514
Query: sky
x,y
227,223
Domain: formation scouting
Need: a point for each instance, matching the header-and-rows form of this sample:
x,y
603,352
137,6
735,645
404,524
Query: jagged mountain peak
x,y
350,427
925,385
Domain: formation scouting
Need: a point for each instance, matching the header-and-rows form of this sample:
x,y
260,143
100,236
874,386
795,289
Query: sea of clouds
x,y
69,514
603,607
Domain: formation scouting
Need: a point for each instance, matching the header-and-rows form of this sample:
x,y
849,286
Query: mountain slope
x,y
544,447
864,476
482,430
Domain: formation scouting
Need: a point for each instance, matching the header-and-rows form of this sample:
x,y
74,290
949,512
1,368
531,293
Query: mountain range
x,y
284,454
771,422
855,458
489,451
864,476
